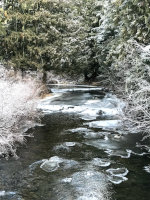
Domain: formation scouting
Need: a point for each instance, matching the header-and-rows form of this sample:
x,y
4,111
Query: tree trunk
x,y
44,78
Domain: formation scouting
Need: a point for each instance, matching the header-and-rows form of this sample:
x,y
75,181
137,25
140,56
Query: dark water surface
x,y
81,153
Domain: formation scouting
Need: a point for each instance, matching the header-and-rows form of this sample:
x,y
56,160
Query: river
x,y
80,152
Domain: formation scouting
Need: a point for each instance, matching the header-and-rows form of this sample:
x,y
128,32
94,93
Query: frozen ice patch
x,y
55,162
139,154
34,165
100,162
104,124
118,171
101,144
70,144
75,89
65,146
147,168
88,133
79,130
52,164
145,147
84,112
93,135
89,114
117,176
117,179
89,110
119,153
66,180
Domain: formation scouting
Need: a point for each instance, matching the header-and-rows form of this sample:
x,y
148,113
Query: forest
x,y
90,42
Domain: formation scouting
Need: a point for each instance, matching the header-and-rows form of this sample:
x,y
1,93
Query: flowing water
x,y
80,153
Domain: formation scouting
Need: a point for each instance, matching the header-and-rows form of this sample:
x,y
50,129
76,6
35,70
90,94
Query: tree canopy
x,y
74,37
49,34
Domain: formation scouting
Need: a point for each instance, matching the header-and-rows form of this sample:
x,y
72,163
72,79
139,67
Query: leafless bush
x,y
18,98
134,71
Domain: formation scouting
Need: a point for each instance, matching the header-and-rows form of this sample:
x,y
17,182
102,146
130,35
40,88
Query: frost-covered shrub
x,y
124,54
135,73
18,98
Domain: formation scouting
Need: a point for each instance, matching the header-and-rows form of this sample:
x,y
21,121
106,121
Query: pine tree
x,y
49,35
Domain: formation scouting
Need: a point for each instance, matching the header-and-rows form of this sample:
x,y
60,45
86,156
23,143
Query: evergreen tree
x,y
49,35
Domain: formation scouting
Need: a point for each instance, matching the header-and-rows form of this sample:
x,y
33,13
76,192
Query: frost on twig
x,y
135,76
18,98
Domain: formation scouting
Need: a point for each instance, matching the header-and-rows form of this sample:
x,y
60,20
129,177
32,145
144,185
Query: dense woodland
x,y
105,40
49,35
101,37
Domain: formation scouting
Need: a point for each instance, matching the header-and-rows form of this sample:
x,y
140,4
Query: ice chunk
x,y
52,164
100,162
117,176
147,168
119,153
105,124
67,180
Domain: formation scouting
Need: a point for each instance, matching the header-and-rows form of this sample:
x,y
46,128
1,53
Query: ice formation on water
x,y
70,144
34,165
76,89
89,133
117,175
80,130
139,154
101,144
145,147
105,124
147,168
117,179
119,153
88,110
66,180
52,164
100,162
90,183
65,146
